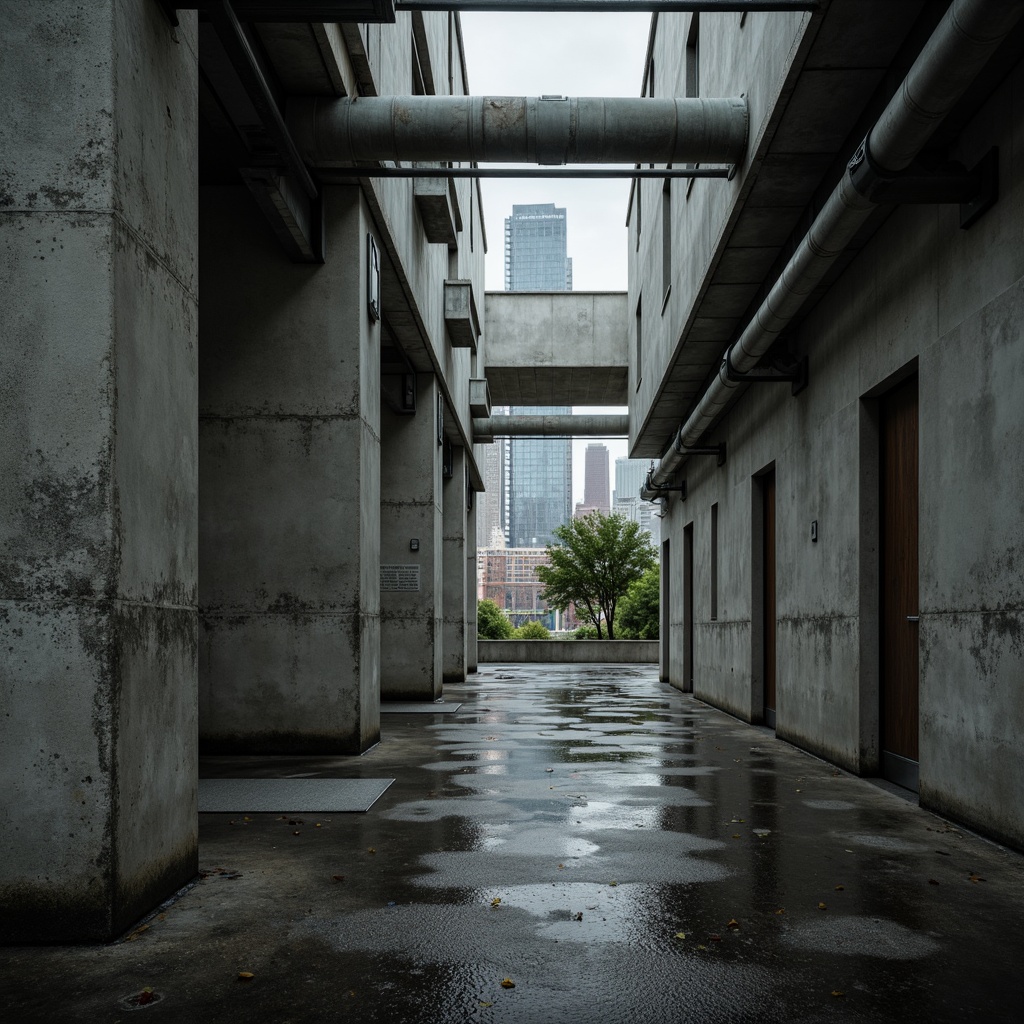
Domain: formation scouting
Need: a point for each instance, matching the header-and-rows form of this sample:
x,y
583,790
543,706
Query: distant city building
x,y
492,504
539,471
595,480
535,249
508,577
539,484
629,476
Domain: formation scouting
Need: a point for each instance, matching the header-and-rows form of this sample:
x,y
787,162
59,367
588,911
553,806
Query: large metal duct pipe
x,y
963,41
508,129
566,425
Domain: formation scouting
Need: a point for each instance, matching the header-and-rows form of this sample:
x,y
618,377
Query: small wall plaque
x,y
399,577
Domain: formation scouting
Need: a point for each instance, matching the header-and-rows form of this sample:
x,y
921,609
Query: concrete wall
x,y
570,652
290,462
923,296
411,509
97,466
456,595
753,62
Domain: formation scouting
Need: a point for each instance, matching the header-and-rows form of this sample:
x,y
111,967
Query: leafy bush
x,y
491,622
585,633
531,631
639,614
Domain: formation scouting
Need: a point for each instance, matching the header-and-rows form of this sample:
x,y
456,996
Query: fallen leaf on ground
x,y
613,882
680,935
821,906
840,888
837,992
245,975
145,997
733,923
507,983
338,878
781,910
496,901
976,878
931,881
371,850
482,1003
714,938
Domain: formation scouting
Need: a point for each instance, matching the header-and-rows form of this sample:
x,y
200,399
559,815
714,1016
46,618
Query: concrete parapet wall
x,y
572,652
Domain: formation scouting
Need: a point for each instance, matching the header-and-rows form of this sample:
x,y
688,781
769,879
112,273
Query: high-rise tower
x,y
595,480
535,246
539,469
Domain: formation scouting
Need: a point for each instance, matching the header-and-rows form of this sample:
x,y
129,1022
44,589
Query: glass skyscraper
x,y
539,469
535,258
540,483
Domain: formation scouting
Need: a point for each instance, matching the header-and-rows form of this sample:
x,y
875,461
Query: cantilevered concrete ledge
x,y
556,348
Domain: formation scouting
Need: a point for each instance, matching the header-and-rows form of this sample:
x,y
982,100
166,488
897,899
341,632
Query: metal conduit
x,y
964,40
598,6
511,129
565,425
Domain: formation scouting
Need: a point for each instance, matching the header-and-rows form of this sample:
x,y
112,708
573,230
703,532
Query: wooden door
x,y
899,681
768,597
665,627
688,608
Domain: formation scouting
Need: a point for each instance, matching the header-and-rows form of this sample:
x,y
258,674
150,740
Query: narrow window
x,y
693,73
714,562
666,238
639,209
639,341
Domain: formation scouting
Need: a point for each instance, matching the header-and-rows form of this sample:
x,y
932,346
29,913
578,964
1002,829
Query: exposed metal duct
x,y
510,129
566,425
963,41
599,6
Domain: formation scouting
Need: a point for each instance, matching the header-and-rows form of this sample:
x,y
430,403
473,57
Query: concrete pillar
x,y
411,580
290,464
471,588
98,481
455,598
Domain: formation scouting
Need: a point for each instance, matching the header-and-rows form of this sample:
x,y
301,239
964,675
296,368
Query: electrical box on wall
x,y
372,279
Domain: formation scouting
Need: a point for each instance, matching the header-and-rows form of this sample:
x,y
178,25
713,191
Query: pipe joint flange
x,y
868,178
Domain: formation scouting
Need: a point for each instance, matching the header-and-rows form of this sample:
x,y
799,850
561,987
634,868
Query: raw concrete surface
x,y
614,848
563,651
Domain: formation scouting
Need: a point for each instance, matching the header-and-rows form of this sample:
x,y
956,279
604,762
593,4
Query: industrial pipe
x,y
963,41
567,425
508,129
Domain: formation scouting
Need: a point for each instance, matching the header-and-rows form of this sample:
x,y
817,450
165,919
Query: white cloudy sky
x,y
565,55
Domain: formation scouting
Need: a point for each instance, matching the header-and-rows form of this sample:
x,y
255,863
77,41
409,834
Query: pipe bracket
x,y
944,184
792,372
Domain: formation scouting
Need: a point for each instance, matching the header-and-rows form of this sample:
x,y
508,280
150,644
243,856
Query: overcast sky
x,y
562,55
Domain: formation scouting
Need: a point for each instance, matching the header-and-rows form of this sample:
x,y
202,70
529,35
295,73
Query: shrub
x,y
531,631
491,622
585,633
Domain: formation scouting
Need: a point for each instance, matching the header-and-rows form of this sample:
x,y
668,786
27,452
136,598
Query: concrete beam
x,y
556,348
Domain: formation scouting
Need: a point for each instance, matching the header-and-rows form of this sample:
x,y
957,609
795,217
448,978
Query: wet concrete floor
x,y
620,852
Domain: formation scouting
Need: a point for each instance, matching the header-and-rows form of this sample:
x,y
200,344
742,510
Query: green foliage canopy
x,y
491,622
595,560
638,612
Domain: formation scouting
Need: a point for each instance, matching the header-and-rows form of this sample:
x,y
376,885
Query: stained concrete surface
x,y
655,860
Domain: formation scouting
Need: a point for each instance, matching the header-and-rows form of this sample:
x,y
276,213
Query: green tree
x,y
595,560
532,631
638,612
491,622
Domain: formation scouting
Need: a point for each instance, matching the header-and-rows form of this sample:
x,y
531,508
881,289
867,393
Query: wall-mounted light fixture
x,y
414,544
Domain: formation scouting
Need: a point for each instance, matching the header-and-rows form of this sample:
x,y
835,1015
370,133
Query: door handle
x,y
913,618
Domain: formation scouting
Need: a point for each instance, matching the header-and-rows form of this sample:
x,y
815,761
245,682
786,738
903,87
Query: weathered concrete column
x,y
471,587
290,463
455,598
411,580
98,481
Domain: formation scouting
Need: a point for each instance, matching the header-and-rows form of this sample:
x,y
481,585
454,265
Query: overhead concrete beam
x,y
556,348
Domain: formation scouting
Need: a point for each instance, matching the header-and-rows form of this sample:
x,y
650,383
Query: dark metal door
x,y
768,597
899,680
